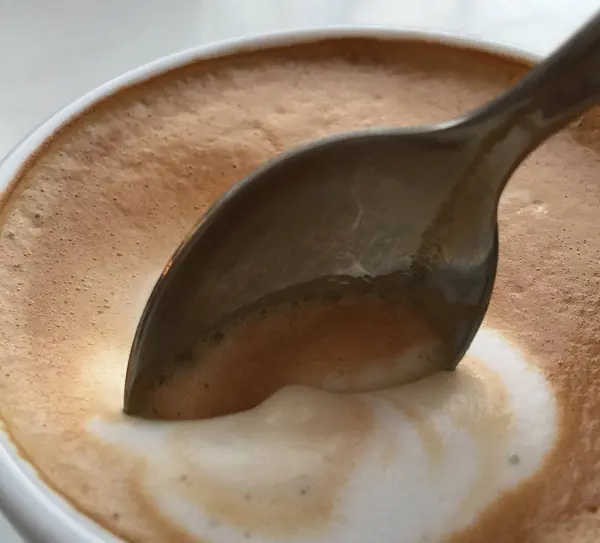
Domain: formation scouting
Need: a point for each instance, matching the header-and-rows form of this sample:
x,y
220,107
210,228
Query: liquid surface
x,y
356,343
507,447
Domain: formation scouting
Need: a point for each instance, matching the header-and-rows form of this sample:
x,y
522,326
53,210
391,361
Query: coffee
x,y
504,449
350,342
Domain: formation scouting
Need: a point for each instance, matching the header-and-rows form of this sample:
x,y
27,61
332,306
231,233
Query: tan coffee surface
x,y
95,216
354,344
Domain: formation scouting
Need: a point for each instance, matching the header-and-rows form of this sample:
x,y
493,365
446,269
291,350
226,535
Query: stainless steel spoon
x,y
407,213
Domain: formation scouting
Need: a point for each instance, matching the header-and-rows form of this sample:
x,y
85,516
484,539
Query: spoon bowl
x,y
333,236
410,214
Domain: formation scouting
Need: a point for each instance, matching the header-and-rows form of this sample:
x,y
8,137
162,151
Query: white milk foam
x,y
440,451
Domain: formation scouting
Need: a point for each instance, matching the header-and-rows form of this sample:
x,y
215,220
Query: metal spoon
x,y
407,213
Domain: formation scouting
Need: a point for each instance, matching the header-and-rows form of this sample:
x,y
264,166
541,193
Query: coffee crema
x,y
505,449
351,342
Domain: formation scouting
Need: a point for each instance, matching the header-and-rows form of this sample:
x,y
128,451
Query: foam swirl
x,y
424,458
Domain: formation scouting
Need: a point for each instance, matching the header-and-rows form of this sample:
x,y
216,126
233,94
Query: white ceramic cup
x,y
37,511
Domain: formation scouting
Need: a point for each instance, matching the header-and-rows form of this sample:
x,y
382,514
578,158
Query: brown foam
x,y
95,216
332,345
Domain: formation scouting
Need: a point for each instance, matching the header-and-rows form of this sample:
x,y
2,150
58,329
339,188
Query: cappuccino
x,y
505,449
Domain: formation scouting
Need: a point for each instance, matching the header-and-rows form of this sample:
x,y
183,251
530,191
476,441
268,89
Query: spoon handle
x,y
552,94
506,130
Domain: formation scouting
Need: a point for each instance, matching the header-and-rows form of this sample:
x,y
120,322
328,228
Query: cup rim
x,y
37,511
